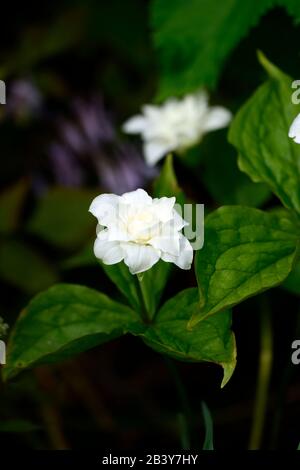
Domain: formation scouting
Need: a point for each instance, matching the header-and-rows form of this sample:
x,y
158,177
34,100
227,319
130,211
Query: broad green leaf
x,y
246,251
260,134
211,340
292,282
194,37
154,281
11,201
63,321
292,7
120,275
209,430
24,267
62,217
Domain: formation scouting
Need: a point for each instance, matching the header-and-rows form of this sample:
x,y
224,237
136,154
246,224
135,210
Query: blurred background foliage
x,y
75,70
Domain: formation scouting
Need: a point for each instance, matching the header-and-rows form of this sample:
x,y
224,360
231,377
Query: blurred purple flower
x,y
67,171
90,140
24,99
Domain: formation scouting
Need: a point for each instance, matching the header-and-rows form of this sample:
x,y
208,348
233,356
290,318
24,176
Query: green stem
x,y
185,416
263,380
143,299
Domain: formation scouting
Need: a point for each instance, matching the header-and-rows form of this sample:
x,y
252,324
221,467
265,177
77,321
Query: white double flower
x,y
176,125
140,230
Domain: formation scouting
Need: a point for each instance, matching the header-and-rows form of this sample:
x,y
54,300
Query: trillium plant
x,y
142,237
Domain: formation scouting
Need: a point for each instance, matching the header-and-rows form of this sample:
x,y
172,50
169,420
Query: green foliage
x,y
292,282
194,37
260,134
120,275
69,319
166,184
63,321
62,217
246,251
211,340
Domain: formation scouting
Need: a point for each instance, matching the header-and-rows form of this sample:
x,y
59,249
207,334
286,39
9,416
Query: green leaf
x,y
292,282
62,217
209,430
11,202
25,267
155,281
63,321
194,37
260,134
292,7
211,340
166,183
120,275
246,251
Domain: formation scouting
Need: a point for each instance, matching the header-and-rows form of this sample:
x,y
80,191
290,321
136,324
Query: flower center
x,y
139,227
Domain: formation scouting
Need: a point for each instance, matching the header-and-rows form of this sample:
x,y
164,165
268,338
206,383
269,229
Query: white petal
x,y
164,207
134,125
185,257
104,207
167,242
216,118
294,131
108,252
139,258
139,197
152,113
155,151
179,222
